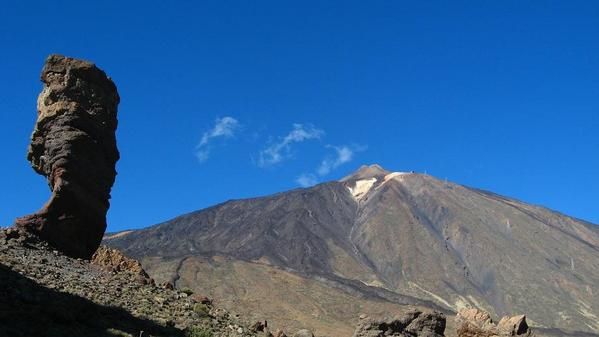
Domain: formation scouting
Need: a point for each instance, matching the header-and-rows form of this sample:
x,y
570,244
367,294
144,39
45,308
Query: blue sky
x,y
233,99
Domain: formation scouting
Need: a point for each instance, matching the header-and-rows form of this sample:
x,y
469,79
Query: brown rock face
x,y
74,146
477,323
114,261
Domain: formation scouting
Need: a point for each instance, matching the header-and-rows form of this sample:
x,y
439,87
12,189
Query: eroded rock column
x,y
74,146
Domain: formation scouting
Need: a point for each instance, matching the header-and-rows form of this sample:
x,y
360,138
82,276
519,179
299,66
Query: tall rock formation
x,y
74,146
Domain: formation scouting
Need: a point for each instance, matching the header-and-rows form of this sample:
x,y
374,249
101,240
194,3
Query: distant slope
x,y
391,237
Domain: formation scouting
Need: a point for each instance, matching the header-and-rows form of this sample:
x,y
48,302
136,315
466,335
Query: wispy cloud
x,y
278,151
306,180
344,154
223,128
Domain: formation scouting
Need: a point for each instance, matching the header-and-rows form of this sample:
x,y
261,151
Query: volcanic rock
x,y
513,326
74,146
114,261
409,324
477,323
477,318
201,299
259,326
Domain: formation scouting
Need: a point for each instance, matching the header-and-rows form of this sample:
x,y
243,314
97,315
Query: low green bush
x,y
201,309
197,332
188,291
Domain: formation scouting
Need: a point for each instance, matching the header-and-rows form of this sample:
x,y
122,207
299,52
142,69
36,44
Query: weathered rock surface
x,y
474,320
477,323
513,326
411,324
74,146
114,261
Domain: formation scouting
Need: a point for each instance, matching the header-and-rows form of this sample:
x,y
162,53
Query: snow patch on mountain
x,y
362,187
393,175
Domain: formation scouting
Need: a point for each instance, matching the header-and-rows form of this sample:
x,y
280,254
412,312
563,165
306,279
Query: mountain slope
x,y
395,238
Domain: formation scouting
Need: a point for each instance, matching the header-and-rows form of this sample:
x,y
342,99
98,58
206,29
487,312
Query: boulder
x,y
259,326
409,324
513,326
74,146
475,317
198,298
114,261
477,323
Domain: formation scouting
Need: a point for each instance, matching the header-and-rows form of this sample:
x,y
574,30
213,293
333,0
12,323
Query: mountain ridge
x,y
409,237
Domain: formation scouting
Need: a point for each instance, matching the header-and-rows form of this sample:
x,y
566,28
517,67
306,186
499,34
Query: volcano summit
x,y
375,241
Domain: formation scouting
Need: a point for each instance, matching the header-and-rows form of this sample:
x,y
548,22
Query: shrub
x,y
201,309
197,332
188,291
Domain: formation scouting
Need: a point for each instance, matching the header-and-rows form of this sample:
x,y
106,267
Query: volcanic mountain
x,y
373,242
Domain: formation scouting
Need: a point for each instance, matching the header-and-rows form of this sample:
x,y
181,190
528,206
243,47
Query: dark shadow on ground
x,y
28,309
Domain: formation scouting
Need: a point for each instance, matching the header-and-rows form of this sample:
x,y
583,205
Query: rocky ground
x,y
44,293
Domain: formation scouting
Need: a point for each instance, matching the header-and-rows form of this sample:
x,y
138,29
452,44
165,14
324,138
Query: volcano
x,y
374,242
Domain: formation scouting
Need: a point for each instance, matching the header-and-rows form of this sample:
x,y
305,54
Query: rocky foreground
x,y
45,293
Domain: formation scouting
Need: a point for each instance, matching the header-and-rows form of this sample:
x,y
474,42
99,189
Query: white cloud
x,y
277,152
202,154
344,154
306,180
223,127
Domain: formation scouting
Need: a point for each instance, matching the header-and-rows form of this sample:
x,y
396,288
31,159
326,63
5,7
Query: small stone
x,y
279,333
303,333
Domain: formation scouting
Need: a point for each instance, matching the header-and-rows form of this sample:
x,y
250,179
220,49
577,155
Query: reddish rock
x,y
74,146
201,299
114,261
